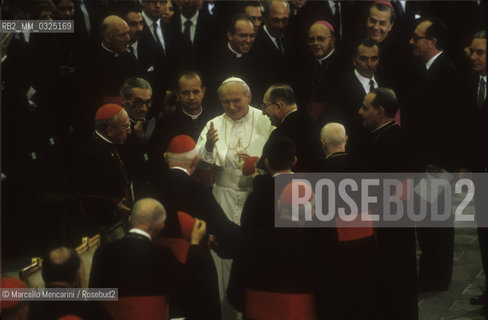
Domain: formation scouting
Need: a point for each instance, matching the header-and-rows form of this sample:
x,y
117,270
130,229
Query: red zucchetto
x,y
181,144
107,111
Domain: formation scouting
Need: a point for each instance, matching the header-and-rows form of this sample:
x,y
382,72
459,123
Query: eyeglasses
x,y
138,102
126,127
264,106
416,37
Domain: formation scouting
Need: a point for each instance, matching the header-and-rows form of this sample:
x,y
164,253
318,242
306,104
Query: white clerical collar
x,y
321,60
114,53
431,61
364,80
180,168
193,116
141,232
238,55
192,19
384,125
280,173
275,41
286,115
103,137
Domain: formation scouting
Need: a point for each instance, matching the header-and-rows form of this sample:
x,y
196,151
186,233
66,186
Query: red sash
x,y
261,305
354,230
147,308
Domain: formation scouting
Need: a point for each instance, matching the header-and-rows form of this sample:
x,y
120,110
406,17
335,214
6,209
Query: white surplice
x,y
231,187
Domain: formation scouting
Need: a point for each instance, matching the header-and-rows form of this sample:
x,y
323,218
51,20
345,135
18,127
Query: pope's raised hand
x,y
212,138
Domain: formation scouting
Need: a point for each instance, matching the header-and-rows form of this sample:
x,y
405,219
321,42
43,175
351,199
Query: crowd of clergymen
x,y
183,194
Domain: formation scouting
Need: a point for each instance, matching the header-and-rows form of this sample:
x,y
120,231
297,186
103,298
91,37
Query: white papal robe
x,y
231,187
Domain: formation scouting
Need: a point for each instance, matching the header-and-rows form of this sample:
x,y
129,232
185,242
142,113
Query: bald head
x,y
149,215
334,138
320,40
61,266
115,33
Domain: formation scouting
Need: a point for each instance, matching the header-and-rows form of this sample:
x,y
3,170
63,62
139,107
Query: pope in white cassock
x,y
226,142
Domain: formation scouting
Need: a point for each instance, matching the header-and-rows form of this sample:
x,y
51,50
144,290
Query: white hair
x,y
182,157
149,212
333,134
230,80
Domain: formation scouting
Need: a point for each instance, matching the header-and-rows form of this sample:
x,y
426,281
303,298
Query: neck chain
x,y
238,145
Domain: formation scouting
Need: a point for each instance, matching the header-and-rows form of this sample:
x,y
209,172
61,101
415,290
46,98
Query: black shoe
x,y
478,300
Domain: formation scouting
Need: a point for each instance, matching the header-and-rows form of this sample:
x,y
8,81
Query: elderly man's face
x,y
119,37
477,55
134,20
420,45
369,113
367,60
190,94
117,133
65,10
277,20
153,9
234,100
378,24
320,41
243,38
256,16
271,109
138,104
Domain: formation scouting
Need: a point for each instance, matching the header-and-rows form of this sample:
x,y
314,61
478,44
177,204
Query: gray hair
x,y
230,80
131,83
148,212
333,134
480,34
101,125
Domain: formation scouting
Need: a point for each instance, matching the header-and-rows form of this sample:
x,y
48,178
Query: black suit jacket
x,y
476,146
138,267
303,131
350,99
194,55
431,114
180,192
268,64
271,259
103,181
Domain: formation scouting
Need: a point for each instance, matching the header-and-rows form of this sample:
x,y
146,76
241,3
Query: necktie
x,y
187,30
131,49
398,8
337,18
371,85
280,44
158,41
481,93
86,17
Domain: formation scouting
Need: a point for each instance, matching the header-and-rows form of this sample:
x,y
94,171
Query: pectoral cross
x,y
239,150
